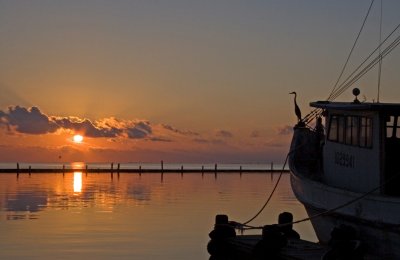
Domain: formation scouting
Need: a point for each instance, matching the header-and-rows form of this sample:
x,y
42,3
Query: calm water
x,y
76,216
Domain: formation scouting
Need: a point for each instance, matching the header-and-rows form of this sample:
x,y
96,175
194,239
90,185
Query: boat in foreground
x,y
348,172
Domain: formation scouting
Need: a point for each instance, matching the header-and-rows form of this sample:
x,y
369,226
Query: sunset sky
x,y
182,81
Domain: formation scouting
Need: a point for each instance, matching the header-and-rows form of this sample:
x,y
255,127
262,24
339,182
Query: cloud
x,y
182,132
32,121
160,139
87,127
255,134
224,134
140,130
285,130
27,121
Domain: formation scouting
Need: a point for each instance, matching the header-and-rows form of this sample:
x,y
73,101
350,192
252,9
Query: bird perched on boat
x,y
296,107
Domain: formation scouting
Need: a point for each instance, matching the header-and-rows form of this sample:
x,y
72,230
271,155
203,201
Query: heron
x,y
296,107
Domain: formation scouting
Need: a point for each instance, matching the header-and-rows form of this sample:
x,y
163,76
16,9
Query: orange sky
x,y
183,81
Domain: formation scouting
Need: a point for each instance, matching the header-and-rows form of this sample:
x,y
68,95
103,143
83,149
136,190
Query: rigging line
x,y
270,195
380,60
352,49
365,60
334,95
388,49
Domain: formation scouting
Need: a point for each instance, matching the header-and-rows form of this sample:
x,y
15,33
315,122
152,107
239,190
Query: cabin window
x,y
366,132
333,129
351,130
392,128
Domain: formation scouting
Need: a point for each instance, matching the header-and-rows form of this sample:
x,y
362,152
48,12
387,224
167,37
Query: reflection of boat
x,y
353,171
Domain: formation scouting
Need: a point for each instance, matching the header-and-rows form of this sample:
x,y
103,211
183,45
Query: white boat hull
x,y
375,218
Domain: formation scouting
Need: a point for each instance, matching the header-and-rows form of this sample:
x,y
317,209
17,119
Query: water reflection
x,y
78,182
133,217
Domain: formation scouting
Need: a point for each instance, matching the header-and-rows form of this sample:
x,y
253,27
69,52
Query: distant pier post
x,y
63,169
181,170
215,170
30,170
202,171
86,169
17,169
272,171
112,167
240,171
162,166
140,170
118,169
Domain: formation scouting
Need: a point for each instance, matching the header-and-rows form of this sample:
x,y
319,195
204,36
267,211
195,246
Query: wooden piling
x,y
240,171
181,170
30,170
162,166
140,170
215,171
202,171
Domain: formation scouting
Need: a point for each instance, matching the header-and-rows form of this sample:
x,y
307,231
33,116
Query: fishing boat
x,y
351,174
345,168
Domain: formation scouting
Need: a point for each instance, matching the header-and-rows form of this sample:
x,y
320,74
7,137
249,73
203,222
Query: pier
x,y
215,169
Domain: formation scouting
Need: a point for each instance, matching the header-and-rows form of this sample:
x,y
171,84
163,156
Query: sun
x,y
77,139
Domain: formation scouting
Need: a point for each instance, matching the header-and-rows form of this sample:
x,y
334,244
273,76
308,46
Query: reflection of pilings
x,y
118,170
17,168
112,167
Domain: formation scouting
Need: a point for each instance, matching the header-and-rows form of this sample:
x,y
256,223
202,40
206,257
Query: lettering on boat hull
x,y
344,159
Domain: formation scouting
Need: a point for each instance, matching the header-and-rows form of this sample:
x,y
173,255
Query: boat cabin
x,y
361,148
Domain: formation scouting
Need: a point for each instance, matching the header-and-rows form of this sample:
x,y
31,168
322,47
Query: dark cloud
x,y
255,134
182,132
160,139
140,130
87,127
19,119
27,121
200,140
285,130
224,134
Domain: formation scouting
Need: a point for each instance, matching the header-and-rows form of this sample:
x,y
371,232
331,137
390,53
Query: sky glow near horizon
x,y
183,81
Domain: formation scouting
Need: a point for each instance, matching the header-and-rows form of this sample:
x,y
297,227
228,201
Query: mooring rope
x,y
269,197
246,226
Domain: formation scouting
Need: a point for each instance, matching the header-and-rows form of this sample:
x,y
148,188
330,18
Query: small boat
x,y
349,174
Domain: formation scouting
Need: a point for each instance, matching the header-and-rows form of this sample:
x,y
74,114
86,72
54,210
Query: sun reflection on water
x,y
77,181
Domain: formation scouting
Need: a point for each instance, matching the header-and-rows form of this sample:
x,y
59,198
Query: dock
x,y
116,168
242,247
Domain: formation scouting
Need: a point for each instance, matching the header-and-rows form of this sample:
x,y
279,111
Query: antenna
x,y
380,53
